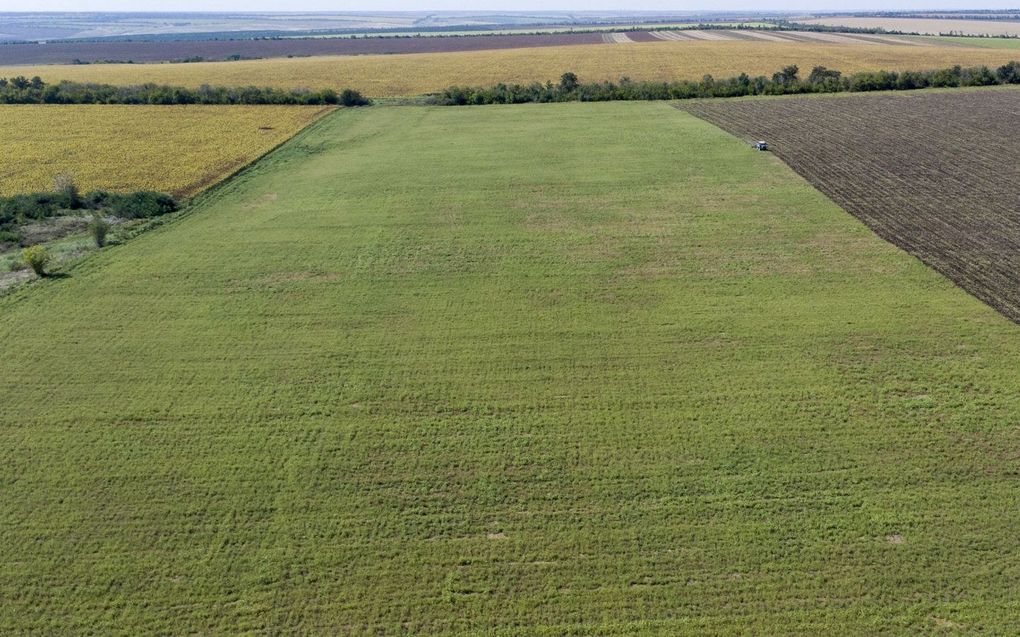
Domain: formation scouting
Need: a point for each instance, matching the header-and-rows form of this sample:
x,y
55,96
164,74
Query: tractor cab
x,y
761,145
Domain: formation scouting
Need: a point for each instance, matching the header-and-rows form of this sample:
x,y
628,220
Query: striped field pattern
x,y
673,55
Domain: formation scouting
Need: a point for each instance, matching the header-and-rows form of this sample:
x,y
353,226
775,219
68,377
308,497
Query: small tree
x,y
350,97
820,74
1009,73
37,258
65,186
568,82
99,228
787,76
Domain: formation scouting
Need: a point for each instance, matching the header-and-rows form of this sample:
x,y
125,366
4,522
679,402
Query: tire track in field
x,y
936,174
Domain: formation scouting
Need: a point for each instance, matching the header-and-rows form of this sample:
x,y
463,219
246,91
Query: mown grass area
x,y
415,74
544,369
985,43
178,149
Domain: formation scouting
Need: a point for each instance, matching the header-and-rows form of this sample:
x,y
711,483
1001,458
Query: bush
x,y
10,236
1009,73
97,199
63,185
37,258
41,205
141,205
350,97
99,228
568,81
34,206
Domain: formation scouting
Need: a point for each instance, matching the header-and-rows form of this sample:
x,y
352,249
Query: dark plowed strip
x,y
642,36
937,174
67,52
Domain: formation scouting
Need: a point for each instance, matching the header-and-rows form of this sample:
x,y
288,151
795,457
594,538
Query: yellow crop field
x,y
174,149
414,74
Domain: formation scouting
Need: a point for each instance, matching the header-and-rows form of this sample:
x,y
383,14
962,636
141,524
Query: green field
x,y
542,370
984,43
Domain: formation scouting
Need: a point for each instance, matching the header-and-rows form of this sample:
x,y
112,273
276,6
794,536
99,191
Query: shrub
x,y
350,97
36,206
97,199
10,236
142,205
63,185
568,81
37,258
99,228
1009,73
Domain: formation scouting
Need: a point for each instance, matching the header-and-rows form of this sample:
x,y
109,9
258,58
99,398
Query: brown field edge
x,y
934,173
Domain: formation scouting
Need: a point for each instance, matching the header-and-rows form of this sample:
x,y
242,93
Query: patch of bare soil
x,y
12,278
52,228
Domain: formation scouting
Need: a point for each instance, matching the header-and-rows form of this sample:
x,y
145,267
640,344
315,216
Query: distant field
x,y
176,149
925,25
564,29
212,50
34,26
67,52
987,43
413,74
936,173
448,371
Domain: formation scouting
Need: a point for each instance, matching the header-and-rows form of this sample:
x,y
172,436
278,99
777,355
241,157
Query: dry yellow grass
x,y
413,74
932,26
176,149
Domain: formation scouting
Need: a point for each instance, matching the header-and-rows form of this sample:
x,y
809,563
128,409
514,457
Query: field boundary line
x,y
190,206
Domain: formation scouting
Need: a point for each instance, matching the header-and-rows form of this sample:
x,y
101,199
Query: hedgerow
x,y
783,82
22,90
20,209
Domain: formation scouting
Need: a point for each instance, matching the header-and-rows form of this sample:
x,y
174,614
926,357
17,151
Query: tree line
x,y
22,90
784,82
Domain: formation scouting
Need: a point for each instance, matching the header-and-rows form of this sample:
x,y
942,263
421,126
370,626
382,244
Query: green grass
x,y
542,370
984,43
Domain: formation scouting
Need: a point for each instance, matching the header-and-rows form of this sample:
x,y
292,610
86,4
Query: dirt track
x,y
937,174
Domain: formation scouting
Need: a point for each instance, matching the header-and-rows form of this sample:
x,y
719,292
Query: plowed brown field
x,y
935,173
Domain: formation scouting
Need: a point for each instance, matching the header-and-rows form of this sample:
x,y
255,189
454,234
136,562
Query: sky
x,y
482,5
